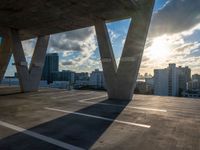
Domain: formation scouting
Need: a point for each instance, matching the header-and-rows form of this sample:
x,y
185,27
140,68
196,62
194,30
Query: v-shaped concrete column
x,y
5,54
29,78
120,83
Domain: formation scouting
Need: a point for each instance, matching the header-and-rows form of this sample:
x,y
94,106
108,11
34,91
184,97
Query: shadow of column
x,y
81,131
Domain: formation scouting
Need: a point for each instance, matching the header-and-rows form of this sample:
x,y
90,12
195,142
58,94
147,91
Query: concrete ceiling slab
x,y
42,17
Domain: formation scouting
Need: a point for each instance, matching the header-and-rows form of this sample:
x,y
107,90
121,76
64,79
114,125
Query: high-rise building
x,y
161,82
184,76
196,77
64,75
97,79
51,65
67,75
194,84
82,76
171,81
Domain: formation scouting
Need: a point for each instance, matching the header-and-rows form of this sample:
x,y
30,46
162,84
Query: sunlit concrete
x,y
66,121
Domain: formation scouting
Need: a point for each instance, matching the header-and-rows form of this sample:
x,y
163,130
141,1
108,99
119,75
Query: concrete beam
x,y
42,17
121,82
29,78
5,54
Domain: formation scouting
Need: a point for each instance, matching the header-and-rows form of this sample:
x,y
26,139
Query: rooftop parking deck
x,y
59,119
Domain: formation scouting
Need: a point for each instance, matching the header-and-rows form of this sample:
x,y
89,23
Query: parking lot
x,y
59,119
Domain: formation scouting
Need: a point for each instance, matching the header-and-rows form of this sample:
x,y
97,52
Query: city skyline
x,y
171,80
52,62
78,50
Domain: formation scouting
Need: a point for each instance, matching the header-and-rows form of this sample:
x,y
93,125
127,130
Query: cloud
x,y
145,58
113,35
176,16
186,47
82,41
66,63
88,66
71,40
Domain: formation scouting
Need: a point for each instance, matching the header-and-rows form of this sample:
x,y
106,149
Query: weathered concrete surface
x,y
29,78
121,81
176,129
5,54
44,17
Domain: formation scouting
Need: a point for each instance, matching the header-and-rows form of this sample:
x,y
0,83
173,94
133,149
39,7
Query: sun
x,y
160,49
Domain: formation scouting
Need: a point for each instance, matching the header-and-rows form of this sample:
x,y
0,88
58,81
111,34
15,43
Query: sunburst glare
x,y
160,49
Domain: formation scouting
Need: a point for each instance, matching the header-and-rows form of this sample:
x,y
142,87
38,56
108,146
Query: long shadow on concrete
x,y
73,129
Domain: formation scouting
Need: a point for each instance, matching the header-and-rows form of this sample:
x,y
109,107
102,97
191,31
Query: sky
x,y
173,37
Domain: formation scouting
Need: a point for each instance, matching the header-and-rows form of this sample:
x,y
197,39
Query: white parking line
x,y
99,117
41,137
92,98
139,108
102,103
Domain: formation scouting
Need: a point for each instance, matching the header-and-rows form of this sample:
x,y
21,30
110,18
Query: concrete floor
x,y
59,119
